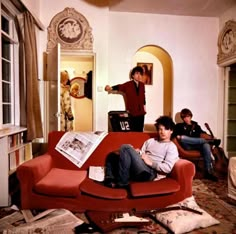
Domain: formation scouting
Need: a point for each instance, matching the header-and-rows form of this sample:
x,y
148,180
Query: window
x,y
9,80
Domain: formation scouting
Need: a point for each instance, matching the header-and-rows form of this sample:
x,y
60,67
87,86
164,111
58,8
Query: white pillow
x,y
182,221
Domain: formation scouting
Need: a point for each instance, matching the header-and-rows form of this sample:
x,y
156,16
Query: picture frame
x,y
147,78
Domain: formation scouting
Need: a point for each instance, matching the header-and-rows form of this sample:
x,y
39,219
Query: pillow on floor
x,y
182,221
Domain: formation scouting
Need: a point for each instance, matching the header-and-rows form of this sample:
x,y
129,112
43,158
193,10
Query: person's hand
x,y
108,88
137,150
146,159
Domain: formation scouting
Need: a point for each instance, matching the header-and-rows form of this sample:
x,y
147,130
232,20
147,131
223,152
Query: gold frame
x,y
148,77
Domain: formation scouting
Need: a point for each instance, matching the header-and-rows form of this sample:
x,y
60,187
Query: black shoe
x,y
215,142
109,182
211,176
85,228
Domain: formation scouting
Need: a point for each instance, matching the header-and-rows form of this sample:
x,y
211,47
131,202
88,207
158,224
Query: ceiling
x,y
207,8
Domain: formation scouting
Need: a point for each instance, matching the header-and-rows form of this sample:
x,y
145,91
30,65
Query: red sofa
x,y
51,181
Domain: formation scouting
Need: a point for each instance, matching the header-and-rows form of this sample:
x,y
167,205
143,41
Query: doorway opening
x,y
159,94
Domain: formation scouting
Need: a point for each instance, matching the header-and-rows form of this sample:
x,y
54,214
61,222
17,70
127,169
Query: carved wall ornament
x,y
71,29
227,44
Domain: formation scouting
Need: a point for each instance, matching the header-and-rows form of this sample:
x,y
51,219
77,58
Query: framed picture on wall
x,y
147,72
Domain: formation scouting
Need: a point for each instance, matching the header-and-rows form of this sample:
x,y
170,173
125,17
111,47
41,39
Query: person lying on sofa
x,y
154,161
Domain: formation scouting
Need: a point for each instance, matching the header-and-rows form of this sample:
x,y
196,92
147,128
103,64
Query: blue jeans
x,y
132,167
197,143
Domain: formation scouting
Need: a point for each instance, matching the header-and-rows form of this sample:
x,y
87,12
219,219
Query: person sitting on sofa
x,y
189,134
154,160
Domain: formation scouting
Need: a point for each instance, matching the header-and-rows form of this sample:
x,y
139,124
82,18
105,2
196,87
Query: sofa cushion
x,y
150,188
97,189
60,182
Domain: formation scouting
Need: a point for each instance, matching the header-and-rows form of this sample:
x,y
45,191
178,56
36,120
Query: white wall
x,y
190,41
192,45
33,6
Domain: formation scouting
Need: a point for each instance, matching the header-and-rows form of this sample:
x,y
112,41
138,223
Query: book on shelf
x,y
12,161
19,156
28,151
15,140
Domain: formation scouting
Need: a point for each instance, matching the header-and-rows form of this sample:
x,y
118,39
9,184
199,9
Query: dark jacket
x,y
193,130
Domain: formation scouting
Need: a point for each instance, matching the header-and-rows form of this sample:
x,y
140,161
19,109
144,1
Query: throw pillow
x,y
182,221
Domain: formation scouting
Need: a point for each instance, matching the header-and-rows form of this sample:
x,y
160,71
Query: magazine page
x,y
32,215
78,146
97,173
59,221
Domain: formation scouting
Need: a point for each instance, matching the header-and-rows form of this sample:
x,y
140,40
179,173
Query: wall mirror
x,y
77,87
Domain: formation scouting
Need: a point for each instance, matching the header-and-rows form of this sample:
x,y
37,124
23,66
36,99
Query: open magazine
x,y
78,146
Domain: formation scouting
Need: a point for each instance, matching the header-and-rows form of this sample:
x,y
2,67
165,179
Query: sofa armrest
x,y
184,171
30,172
35,168
186,153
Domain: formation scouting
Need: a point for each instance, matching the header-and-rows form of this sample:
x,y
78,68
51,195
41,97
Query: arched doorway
x,y
162,74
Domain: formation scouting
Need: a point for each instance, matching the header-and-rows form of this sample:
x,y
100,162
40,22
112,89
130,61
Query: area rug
x,y
210,196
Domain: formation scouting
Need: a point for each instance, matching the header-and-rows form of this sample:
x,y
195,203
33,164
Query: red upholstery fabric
x,y
111,142
187,154
151,188
98,190
90,195
61,182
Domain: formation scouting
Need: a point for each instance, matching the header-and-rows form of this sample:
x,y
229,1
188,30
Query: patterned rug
x,y
211,197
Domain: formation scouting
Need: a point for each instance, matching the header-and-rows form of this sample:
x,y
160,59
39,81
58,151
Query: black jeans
x,y
137,123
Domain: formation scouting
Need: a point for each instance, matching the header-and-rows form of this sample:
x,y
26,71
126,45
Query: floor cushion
x,y
182,221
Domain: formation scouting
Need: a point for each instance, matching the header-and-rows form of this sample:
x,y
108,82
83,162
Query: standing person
x,y
154,161
66,111
134,91
189,134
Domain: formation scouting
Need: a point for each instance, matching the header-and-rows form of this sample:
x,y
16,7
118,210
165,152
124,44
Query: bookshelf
x,y
14,151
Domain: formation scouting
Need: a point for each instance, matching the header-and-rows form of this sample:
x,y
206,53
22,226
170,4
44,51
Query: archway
x,y
167,66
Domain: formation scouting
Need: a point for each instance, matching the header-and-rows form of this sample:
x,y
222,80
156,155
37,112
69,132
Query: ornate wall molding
x,y
71,29
227,44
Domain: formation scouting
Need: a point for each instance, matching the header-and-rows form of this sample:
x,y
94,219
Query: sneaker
x,y
210,176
